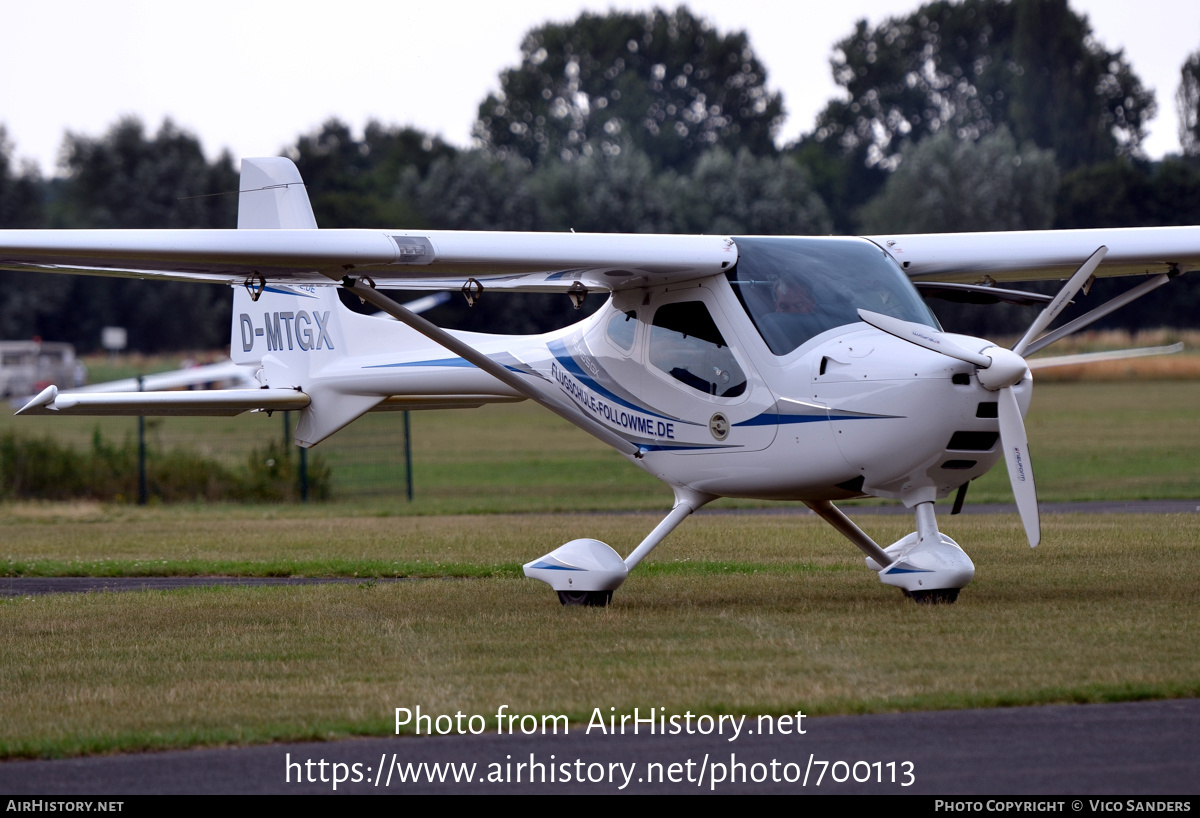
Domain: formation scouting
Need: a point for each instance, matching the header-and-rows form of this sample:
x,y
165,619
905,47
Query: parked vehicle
x,y
27,367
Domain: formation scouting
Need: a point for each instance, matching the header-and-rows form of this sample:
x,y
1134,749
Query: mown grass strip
x,y
1104,610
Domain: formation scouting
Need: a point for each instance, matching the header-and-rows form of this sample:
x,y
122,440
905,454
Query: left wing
x,y
395,259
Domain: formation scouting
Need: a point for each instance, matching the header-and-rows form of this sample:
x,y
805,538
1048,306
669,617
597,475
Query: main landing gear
x,y
586,572
927,566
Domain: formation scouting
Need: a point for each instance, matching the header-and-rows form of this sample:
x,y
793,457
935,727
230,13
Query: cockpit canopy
x,y
795,288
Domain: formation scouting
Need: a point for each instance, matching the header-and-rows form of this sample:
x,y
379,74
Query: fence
x,y
371,457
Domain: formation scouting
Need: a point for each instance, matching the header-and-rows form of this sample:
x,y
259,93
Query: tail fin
x,y
300,336
272,196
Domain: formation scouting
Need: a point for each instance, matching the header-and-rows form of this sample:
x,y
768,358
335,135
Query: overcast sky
x,y
251,76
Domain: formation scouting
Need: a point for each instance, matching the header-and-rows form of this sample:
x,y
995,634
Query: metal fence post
x,y
408,475
303,475
141,452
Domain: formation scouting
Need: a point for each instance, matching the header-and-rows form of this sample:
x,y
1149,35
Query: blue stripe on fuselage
x,y
559,350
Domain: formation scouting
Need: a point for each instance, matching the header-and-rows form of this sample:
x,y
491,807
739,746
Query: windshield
x,y
797,288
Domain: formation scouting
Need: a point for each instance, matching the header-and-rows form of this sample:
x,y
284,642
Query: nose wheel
x,y
585,599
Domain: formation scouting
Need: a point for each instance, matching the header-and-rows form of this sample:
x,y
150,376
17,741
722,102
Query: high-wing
x,y
554,261
392,259
1047,254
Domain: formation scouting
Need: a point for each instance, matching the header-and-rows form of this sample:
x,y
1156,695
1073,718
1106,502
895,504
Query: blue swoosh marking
x,y
450,363
769,418
280,291
559,350
552,567
446,362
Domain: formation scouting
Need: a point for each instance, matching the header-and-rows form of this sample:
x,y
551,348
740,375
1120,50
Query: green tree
x,y
472,190
843,183
944,185
949,185
1070,94
1187,103
25,299
969,67
604,192
129,179
743,194
354,182
1125,193
20,190
666,80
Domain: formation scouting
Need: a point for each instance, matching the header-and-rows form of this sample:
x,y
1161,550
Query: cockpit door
x,y
697,371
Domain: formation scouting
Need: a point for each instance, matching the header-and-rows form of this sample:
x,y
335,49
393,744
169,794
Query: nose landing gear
x,y
926,565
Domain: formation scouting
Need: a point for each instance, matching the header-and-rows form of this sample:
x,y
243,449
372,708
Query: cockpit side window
x,y
796,288
622,328
686,344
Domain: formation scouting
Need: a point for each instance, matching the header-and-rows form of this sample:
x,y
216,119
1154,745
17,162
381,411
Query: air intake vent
x,y
854,485
961,379
959,465
987,409
973,441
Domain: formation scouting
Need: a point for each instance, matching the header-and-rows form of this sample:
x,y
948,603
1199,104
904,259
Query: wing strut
x,y
1099,312
498,371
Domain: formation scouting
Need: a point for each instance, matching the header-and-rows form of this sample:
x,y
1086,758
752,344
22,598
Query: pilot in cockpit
x,y
795,318
793,296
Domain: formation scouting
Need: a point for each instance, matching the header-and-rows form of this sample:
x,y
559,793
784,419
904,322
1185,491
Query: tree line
x,y
971,115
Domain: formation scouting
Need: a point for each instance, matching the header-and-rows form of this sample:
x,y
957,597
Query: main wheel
x,y
941,596
590,599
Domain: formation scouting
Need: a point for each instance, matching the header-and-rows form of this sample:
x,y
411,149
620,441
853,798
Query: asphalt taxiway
x,y
1125,749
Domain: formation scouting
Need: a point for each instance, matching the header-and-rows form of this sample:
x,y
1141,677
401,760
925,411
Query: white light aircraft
x,y
771,368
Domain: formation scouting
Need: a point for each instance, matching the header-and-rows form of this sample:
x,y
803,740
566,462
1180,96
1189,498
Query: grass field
x,y
746,612
741,613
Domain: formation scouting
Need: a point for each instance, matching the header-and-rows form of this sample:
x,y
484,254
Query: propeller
x,y
999,370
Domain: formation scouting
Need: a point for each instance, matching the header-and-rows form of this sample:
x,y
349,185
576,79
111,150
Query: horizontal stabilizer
x,y
211,402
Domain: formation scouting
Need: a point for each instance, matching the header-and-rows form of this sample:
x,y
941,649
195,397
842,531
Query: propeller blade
x,y
923,336
1061,300
1020,468
1095,357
